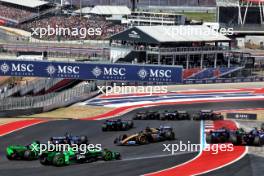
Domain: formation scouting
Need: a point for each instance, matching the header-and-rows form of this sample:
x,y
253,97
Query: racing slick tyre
x,y
124,127
29,155
11,157
142,139
170,135
208,138
58,160
233,139
130,124
43,160
104,128
107,155
221,117
84,140
163,118
257,141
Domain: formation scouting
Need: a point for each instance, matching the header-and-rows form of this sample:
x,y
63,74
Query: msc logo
x,y
51,69
22,67
97,71
142,73
68,69
4,68
63,69
154,73
114,71
158,73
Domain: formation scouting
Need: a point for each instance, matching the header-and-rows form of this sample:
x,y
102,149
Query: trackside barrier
x,y
49,100
228,80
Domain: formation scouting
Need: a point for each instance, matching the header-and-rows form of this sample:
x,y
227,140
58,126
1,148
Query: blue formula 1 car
x,y
69,139
117,125
254,137
224,135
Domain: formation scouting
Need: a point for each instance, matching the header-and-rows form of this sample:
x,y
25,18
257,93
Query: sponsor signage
x,y
92,71
244,116
230,80
134,34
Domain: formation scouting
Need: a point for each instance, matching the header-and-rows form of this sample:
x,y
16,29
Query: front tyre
x,y
107,156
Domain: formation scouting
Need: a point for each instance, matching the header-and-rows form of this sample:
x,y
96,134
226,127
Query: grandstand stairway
x,y
132,55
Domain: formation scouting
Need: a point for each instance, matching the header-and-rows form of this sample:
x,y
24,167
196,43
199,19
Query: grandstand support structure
x,y
241,13
247,4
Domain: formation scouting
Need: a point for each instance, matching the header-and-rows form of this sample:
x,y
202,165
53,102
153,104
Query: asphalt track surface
x,y
136,160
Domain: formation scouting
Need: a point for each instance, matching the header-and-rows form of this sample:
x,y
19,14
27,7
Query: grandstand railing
x,y
35,86
175,50
47,99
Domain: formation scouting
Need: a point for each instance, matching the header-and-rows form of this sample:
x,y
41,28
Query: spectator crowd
x,y
13,12
107,28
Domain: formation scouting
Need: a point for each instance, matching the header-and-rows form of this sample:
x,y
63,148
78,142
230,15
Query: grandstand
x,y
153,18
148,2
202,52
245,16
58,21
13,12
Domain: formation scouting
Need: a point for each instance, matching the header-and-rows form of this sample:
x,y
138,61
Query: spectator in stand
x,y
107,28
13,13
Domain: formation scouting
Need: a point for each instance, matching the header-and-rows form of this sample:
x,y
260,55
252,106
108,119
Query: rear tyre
x,y
58,160
84,140
29,155
43,160
208,138
233,139
142,140
257,141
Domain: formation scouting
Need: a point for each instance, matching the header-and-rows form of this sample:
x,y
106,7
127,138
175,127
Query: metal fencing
x,y
35,86
11,103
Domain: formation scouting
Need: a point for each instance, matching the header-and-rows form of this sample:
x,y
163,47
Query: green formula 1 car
x,y
69,157
20,152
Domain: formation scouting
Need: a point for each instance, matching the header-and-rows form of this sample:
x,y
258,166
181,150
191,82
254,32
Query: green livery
x,y
20,152
68,157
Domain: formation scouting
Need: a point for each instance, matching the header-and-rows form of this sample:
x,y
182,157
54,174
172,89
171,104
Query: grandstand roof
x,y
227,3
235,3
111,10
26,3
170,34
84,10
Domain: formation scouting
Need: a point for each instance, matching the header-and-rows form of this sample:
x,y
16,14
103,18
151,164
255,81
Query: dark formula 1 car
x,y
69,157
117,125
175,115
254,137
69,139
208,115
19,152
148,115
149,135
224,135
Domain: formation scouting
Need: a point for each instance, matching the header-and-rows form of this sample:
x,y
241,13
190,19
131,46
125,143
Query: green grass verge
x,y
206,17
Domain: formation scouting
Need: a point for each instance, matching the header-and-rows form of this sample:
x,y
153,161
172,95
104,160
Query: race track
x,y
136,160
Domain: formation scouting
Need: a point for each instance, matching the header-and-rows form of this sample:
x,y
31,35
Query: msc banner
x,y
91,71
